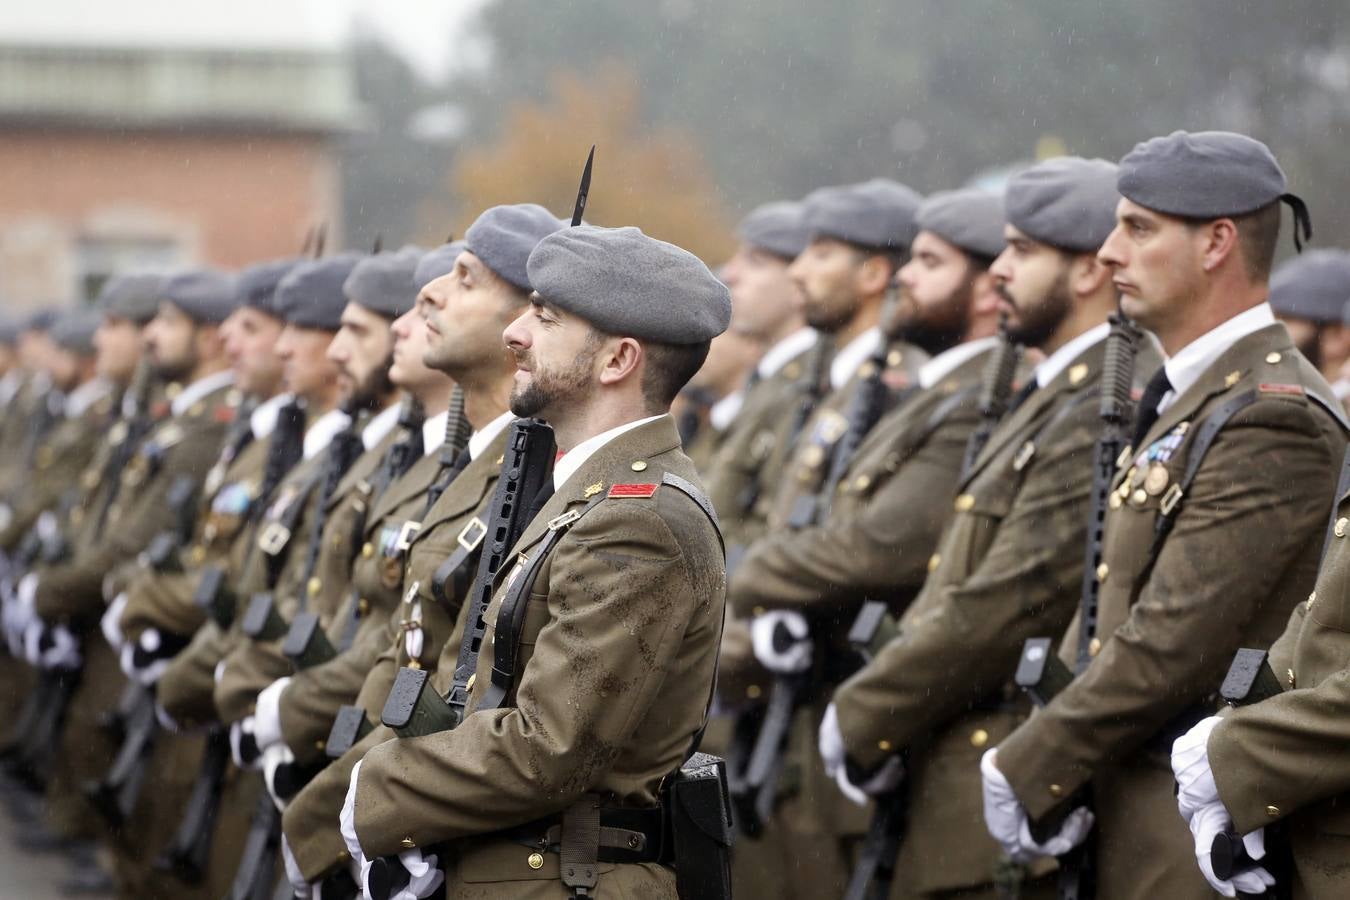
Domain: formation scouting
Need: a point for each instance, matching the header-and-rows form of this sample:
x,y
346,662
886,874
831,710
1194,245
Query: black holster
x,y
698,807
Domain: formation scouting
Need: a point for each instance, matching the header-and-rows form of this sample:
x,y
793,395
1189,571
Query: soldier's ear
x,y
621,359
1088,275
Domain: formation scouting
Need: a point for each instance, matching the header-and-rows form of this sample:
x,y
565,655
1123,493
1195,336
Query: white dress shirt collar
x,y
86,395
786,350
199,389
849,358
433,432
948,361
379,426
724,411
573,459
479,440
263,420
1190,362
320,434
1058,361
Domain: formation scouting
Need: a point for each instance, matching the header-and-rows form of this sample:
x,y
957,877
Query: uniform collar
x,y
575,458
319,434
1056,362
724,411
433,432
9,385
1190,362
199,389
263,420
786,350
86,395
849,358
480,439
379,426
948,361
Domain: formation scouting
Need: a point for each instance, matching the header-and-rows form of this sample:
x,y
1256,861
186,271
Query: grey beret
x,y
310,295
504,236
74,331
1067,202
133,296
877,213
204,295
42,320
1206,175
777,228
258,284
626,283
384,283
1313,286
438,262
971,219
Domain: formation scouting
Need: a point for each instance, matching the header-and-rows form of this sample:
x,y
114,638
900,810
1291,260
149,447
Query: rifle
x,y
1040,673
413,709
994,394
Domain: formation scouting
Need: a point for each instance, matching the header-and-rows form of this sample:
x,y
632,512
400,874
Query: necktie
x,y
1157,387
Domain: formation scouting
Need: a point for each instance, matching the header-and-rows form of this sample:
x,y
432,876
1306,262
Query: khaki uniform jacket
x,y
1243,551
1284,760
742,469
16,431
618,651
59,460
311,820
252,665
1008,567
164,599
181,446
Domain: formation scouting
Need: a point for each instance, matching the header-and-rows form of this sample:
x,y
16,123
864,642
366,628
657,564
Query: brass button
x,y
314,586
979,737
408,842
198,555
1102,571
894,358
862,483
344,855
368,550
1289,673
1273,812
884,746
934,561
1078,373
1094,646
1115,501
363,607
1056,791
1341,524
320,745
1273,357
758,611
964,502
1139,498
754,692
414,664
638,466
535,860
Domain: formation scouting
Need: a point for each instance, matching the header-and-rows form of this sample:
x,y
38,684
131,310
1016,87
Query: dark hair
x,y
1258,234
978,262
895,257
669,368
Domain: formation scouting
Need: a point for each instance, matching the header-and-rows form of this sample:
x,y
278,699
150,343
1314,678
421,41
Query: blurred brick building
x,y
166,155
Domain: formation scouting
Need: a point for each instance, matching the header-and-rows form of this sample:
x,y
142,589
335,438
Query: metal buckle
x,y
563,520
1024,455
1125,456
1171,499
274,538
406,534
472,535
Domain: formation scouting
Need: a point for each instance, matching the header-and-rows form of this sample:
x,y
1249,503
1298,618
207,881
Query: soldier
x,y
465,311
707,408
1309,294
1236,427
27,410
617,672
767,307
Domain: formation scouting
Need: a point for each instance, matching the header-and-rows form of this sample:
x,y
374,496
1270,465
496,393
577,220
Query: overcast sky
x,y
421,29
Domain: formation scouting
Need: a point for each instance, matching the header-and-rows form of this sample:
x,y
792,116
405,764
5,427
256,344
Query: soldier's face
x,y
251,347
34,346
1156,262
763,295
465,312
118,344
409,372
362,350
1032,279
555,357
64,368
171,343
305,368
829,273
936,289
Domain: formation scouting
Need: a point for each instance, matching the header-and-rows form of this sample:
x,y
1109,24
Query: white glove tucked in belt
x,y
782,641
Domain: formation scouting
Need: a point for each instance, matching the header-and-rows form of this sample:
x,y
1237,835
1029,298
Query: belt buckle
x,y
274,538
406,534
472,535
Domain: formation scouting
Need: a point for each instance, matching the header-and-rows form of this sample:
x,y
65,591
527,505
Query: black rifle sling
x,y
342,452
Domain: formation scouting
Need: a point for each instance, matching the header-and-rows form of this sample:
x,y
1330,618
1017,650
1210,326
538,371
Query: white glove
x,y
166,721
423,876
1206,824
413,638
832,751
243,746
51,647
347,825
146,666
792,653
303,889
267,714
274,757
1190,765
21,613
830,741
111,623
1007,821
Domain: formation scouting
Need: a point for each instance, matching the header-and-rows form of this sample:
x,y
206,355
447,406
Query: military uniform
x,y
310,821
1172,614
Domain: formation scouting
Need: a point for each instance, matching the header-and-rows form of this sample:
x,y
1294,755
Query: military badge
x,y
1161,450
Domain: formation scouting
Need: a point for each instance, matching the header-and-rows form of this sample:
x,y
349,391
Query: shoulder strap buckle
x,y
1171,499
563,521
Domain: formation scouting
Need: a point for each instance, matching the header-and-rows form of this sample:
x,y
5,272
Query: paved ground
x,y
25,875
